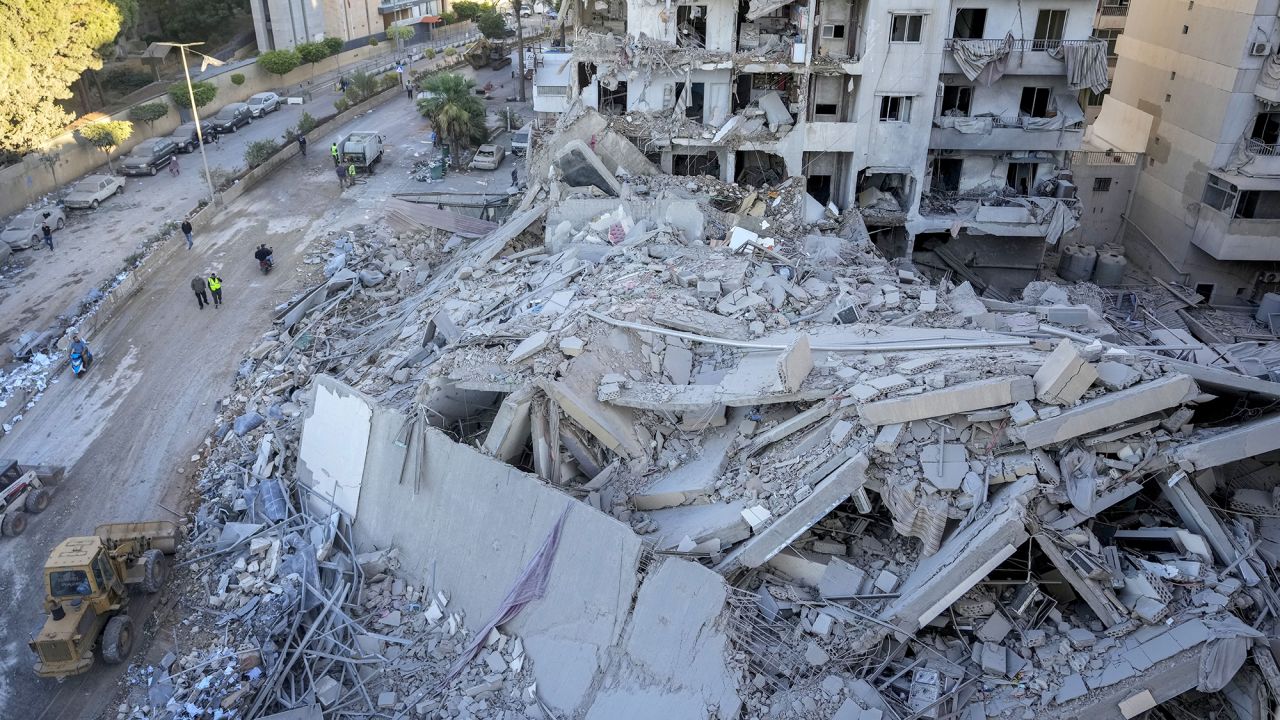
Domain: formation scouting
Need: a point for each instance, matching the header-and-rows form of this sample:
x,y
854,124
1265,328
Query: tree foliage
x,y
279,62
237,78
491,25
259,152
194,20
205,92
107,136
468,10
148,113
312,52
399,32
44,47
455,112
333,45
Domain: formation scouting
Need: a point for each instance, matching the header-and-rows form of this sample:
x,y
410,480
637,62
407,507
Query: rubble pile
x,y
924,503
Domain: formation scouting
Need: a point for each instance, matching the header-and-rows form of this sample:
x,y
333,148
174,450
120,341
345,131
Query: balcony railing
x,y
1259,148
1024,44
1115,9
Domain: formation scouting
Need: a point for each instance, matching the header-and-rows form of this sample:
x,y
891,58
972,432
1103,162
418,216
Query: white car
x,y
24,230
92,190
263,103
487,157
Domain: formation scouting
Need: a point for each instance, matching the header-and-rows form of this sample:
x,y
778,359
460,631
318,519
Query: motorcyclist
x,y
263,254
79,346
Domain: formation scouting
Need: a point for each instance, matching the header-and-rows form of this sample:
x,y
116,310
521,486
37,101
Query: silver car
x,y
263,103
92,190
24,230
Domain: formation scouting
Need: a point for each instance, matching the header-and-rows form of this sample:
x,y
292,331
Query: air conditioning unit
x,y
1269,277
1259,49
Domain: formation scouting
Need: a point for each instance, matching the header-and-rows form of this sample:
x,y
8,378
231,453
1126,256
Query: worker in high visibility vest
x,y
351,173
333,150
215,287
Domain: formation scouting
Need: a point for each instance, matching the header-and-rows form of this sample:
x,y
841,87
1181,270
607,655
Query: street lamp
x,y
191,95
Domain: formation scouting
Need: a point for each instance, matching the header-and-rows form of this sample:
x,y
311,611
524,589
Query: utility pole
x,y
517,5
191,96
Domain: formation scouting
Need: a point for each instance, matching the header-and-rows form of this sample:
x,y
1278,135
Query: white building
x,y
868,101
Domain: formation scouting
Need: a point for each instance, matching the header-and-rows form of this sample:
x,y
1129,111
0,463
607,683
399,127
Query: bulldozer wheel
x,y
37,501
14,524
117,639
154,571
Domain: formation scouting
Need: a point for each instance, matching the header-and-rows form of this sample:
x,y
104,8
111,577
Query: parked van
x,y
520,140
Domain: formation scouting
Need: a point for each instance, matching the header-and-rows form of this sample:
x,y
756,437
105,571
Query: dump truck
x,y
87,584
24,491
362,147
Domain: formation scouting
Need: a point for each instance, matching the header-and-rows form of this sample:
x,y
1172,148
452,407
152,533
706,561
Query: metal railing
x,y
1257,147
1020,44
1102,157
1115,10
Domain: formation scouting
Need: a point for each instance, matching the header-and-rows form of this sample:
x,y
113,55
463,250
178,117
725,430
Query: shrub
x,y
148,113
204,92
306,123
431,53
125,79
279,62
388,81
341,104
373,41
237,78
333,45
450,52
259,152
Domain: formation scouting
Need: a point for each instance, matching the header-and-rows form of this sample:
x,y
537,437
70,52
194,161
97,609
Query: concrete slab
x,y
962,398
335,440
1109,410
829,493
576,395
795,364
1208,450
510,429
694,481
580,167
700,523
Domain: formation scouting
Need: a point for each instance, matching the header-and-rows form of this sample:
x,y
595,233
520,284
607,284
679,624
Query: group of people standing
x,y
213,284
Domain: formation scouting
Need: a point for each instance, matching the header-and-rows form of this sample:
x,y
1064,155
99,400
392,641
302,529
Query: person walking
x,y
48,234
215,289
333,150
351,173
174,168
186,230
302,144
515,178
342,175
408,89
197,286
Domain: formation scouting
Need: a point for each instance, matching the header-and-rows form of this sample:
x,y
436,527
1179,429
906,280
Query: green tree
x,y
237,78
107,136
148,113
361,87
312,52
491,25
195,20
205,92
44,48
399,34
455,112
333,45
279,62
259,152
468,10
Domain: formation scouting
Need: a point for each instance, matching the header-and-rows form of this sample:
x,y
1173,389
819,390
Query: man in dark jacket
x,y
198,286
48,234
186,230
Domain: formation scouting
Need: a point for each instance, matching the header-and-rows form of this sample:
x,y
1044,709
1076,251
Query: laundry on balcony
x,y
983,57
1086,64
968,125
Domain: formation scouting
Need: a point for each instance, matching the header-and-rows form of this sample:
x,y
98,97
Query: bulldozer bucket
x,y
161,534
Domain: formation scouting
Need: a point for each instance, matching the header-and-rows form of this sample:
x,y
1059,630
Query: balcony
x,y
1026,57
1261,159
1240,239
1007,133
1113,10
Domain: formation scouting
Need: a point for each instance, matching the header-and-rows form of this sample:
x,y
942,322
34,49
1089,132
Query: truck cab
x,y
362,147
82,593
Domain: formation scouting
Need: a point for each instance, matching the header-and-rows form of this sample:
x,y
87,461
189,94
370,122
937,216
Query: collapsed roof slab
x,y
963,561
965,397
510,429
1101,600
835,489
1220,379
704,398
1109,410
1248,440
693,481
721,521
1199,518
576,394
580,167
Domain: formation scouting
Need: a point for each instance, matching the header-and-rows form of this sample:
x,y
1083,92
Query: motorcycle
x,y
265,264
80,364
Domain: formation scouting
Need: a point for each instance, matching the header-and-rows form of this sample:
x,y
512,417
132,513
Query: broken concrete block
x,y
994,629
887,439
840,432
1064,377
795,364
815,655
840,580
1072,687
387,699
1109,411
886,581
1116,376
1022,413
580,167
529,346
965,397
572,346
1135,705
756,517
993,659
944,466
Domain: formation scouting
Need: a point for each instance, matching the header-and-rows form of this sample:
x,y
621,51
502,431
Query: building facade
x,y
283,24
1197,88
943,121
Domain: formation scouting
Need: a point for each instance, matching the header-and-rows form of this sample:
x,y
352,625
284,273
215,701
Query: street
x,y
127,430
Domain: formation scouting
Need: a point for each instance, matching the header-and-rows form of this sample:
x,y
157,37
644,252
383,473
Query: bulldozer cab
x,y
80,569
9,473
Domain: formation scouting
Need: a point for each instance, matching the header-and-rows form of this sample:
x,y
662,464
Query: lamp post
x,y
191,95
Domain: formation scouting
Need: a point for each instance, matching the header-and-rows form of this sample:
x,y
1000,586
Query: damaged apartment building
x,y
947,123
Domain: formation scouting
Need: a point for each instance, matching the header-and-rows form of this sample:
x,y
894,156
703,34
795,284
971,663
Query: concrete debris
x,y
794,479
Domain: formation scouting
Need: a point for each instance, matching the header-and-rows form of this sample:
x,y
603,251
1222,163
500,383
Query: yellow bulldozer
x,y
87,583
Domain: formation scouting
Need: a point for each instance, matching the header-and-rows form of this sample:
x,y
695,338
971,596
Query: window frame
x,y
1102,184
903,113
906,28
1230,194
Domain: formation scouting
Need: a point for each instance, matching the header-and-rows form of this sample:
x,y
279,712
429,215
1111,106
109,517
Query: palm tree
x,y
455,112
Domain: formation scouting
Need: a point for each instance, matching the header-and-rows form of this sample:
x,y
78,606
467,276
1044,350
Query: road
x,y
127,430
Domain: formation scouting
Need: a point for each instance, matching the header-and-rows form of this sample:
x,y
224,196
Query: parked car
x,y
488,157
186,138
149,156
92,190
263,103
24,230
231,118
520,140
552,14
525,11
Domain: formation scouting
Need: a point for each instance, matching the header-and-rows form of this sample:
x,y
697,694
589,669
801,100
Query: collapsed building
x,y
668,447
949,124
